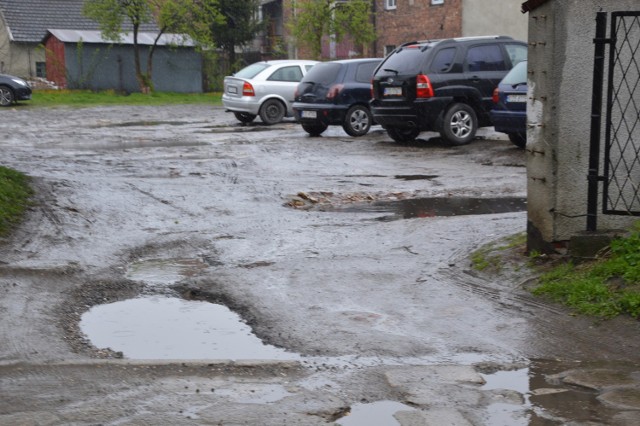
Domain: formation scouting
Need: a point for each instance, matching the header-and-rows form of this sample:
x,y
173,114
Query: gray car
x,y
264,88
13,89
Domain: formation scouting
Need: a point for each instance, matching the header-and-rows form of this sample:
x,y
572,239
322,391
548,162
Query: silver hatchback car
x,y
264,88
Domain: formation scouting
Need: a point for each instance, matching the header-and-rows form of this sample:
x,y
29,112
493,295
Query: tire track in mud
x,y
557,332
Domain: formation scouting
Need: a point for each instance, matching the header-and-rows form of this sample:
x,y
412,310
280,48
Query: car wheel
x,y
6,96
272,111
314,129
460,124
357,121
244,117
518,139
401,134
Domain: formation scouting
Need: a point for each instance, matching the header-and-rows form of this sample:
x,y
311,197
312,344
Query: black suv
x,y
336,92
442,85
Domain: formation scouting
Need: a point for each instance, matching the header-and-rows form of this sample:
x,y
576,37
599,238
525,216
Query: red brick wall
x,y
55,61
416,20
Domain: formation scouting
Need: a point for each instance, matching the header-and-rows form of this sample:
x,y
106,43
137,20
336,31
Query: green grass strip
x,y
14,198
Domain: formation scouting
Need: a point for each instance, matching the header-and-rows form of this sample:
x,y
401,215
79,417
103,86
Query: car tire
x,y
357,121
314,129
518,139
403,134
244,117
460,124
272,111
6,96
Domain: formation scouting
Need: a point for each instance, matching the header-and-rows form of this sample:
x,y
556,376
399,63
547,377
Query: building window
x,y
388,49
390,4
437,1
41,70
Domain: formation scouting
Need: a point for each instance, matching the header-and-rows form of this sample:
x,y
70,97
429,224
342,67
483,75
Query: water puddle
x,y
143,123
416,177
164,271
378,413
435,207
508,413
171,328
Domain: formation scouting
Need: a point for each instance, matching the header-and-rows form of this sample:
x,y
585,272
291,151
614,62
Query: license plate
x,y
308,114
517,98
232,89
393,91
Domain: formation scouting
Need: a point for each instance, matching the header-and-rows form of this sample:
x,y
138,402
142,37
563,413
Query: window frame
x,y
390,4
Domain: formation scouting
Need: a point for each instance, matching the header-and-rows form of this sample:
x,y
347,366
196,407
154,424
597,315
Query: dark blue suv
x,y
442,85
336,93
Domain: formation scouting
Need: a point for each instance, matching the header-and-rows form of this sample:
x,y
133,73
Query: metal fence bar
x,y
596,120
621,190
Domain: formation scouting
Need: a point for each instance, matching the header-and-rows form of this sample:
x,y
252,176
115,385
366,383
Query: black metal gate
x,y
621,178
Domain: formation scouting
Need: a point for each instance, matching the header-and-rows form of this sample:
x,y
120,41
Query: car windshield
x,y
324,73
407,60
517,75
252,70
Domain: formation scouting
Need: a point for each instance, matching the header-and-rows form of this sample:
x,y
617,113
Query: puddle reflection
x,y
171,328
377,413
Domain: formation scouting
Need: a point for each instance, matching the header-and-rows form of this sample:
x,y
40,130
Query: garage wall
x,y
104,67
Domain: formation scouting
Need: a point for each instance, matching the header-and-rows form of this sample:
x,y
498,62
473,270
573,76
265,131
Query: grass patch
x,y
606,287
489,256
14,198
85,98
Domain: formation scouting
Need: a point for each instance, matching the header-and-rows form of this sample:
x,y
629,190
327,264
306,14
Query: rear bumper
x,y
325,113
247,104
424,114
509,121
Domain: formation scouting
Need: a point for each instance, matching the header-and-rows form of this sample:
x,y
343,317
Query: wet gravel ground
x,y
352,253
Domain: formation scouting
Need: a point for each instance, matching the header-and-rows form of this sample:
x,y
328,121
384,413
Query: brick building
x,y
400,21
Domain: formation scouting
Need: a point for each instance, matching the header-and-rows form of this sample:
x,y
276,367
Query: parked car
x,y
442,85
13,89
509,113
336,93
265,89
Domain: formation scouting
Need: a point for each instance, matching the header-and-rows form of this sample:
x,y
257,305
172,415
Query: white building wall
x,y
494,17
561,57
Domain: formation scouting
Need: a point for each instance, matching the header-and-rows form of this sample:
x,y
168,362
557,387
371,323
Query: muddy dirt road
x,y
341,266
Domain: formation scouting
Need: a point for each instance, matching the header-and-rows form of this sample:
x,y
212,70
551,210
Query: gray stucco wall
x,y
491,17
561,56
103,67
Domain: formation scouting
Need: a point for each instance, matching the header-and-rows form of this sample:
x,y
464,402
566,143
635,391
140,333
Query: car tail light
x,y
334,91
247,89
496,95
423,87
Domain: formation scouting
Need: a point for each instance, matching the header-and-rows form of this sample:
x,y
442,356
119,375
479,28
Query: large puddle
x,y
170,328
435,207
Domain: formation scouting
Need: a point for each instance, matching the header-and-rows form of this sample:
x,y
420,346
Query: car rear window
x,y
252,70
443,60
517,75
407,60
325,73
365,72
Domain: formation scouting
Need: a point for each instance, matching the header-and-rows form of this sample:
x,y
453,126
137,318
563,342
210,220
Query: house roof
x,y
28,20
531,5
95,36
